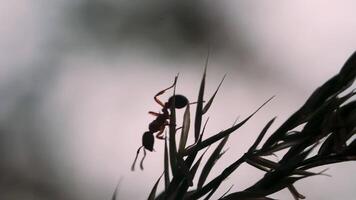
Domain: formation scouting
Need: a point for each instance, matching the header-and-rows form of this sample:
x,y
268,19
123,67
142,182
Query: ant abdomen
x,y
148,140
180,101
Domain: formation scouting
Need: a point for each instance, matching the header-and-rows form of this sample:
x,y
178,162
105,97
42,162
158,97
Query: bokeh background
x,y
77,78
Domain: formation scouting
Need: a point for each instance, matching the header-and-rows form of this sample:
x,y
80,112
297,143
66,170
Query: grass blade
x,y
166,165
114,196
261,135
222,196
172,133
215,183
199,109
185,129
224,133
207,106
152,195
189,178
211,161
295,193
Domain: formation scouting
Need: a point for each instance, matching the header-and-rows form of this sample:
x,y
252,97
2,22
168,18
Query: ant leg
x,y
161,92
159,134
153,113
134,162
143,158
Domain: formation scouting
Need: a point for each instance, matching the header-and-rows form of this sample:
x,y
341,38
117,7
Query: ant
x,y
161,121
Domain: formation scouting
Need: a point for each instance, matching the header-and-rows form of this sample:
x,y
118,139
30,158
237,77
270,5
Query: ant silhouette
x,y
161,121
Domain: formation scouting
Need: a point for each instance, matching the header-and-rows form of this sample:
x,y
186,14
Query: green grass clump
x,y
328,121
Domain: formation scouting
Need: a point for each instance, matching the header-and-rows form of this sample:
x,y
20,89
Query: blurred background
x,y
77,78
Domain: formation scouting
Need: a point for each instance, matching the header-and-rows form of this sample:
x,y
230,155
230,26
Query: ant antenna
x,y
195,102
134,162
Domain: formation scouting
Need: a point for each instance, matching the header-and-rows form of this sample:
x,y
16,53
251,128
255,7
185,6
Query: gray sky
x,y
78,77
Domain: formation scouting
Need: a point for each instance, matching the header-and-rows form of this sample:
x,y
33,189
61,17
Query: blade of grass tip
x,y
199,109
207,106
222,196
185,130
211,162
258,166
152,195
116,190
295,193
224,133
166,165
261,135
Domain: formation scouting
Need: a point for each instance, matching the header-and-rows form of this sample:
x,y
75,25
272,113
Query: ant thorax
x,y
159,122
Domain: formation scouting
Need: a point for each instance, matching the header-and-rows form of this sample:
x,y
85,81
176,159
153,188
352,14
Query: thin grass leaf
x,y
203,131
185,130
166,165
268,165
224,133
273,187
281,146
258,166
172,133
199,109
195,168
211,161
207,106
246,195
228,190
190,159
114,196
215,183
347,155
152,195
295,193
210,194
261,135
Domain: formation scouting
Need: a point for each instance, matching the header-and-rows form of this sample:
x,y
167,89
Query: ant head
x,y
180,101
148,140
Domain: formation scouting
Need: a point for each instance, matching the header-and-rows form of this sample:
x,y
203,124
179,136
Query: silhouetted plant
x,y
328,121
